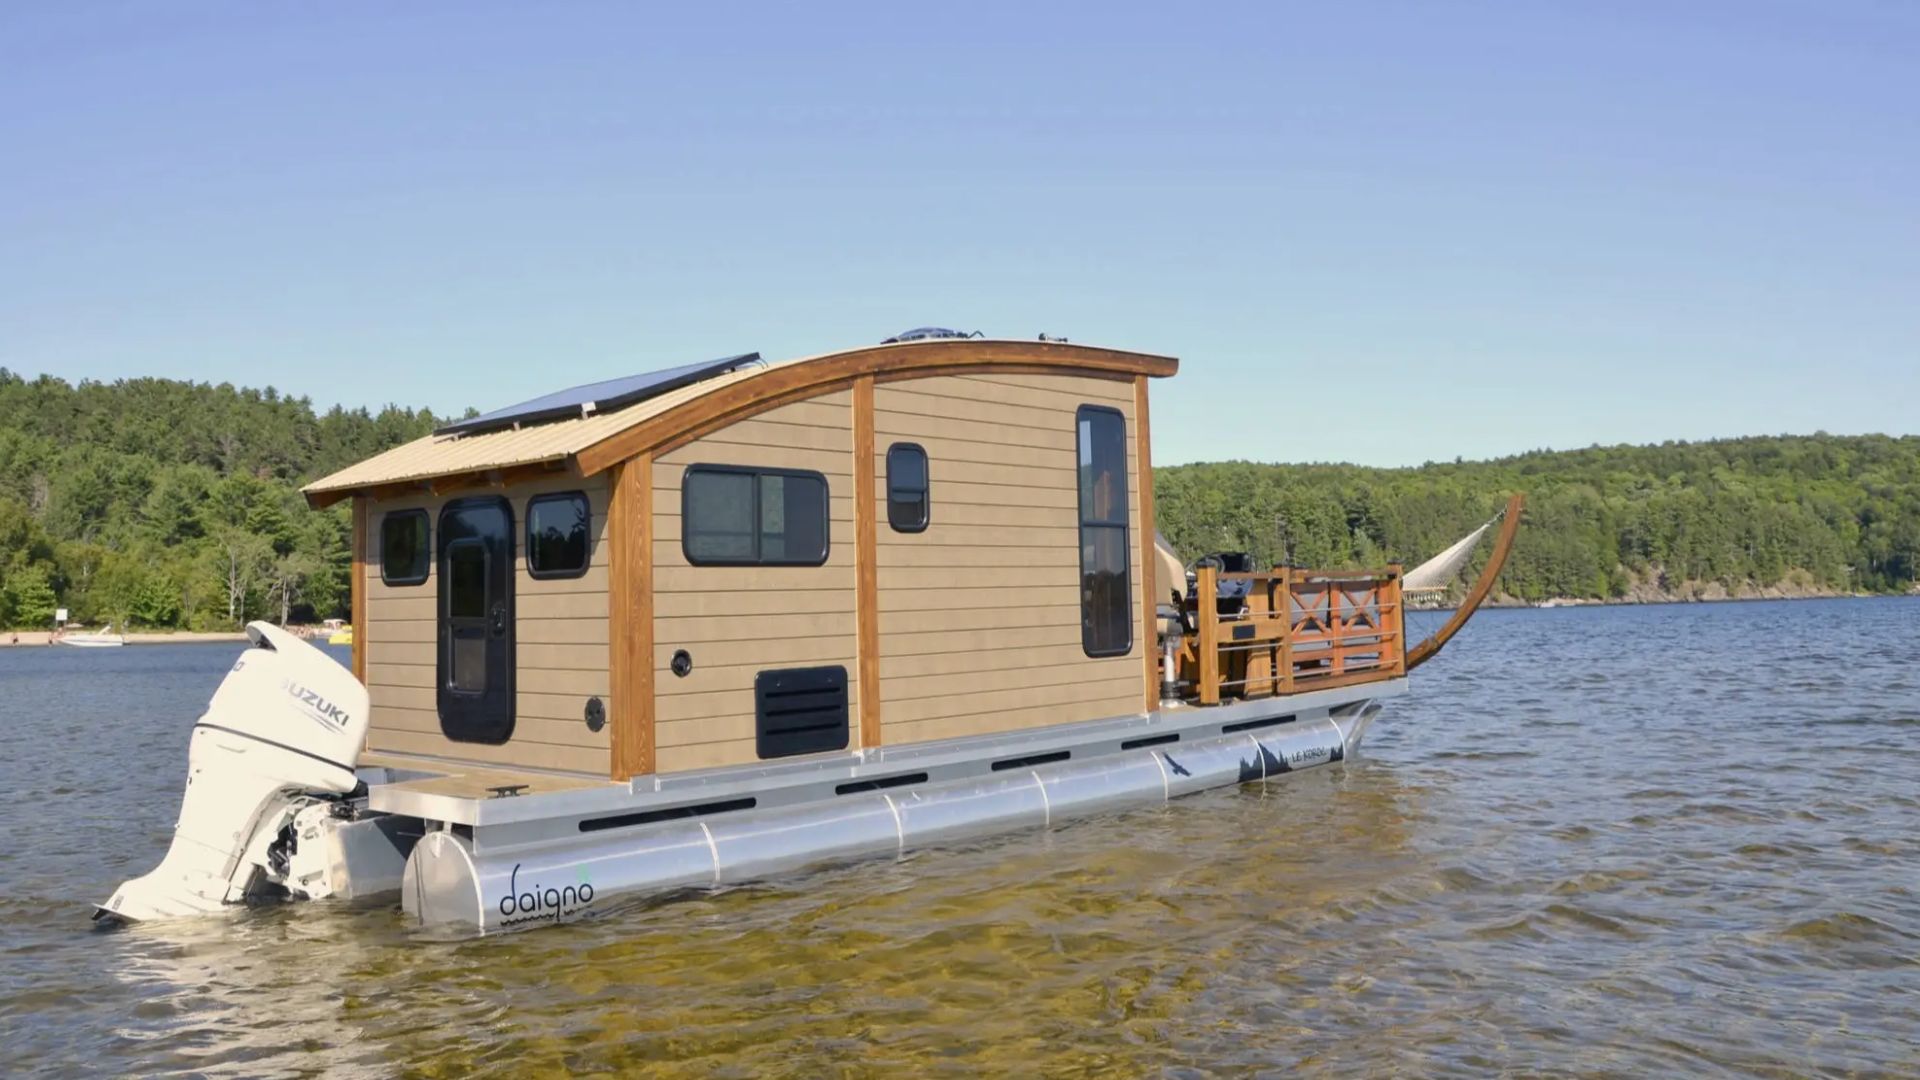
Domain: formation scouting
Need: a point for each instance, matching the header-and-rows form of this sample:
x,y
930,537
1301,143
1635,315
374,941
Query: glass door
x,y
476,620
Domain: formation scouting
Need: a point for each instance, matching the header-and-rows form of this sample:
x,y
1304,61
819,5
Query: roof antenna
x,y
1055,340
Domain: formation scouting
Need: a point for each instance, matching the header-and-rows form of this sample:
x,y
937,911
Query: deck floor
x,y
475,781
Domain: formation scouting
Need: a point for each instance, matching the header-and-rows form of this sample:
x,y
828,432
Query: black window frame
x,y
1123,524
527,535
756,471
925,491
426,556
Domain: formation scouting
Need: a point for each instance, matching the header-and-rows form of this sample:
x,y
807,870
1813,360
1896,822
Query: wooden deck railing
x,y
1297,630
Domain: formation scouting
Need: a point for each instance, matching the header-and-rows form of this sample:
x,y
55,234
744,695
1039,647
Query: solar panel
x,y
597,397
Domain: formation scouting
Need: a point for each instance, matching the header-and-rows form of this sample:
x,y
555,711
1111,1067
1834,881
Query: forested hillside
x,y
1803,514
169,504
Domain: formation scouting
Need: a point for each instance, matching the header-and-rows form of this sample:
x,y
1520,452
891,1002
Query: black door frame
x,y
488,715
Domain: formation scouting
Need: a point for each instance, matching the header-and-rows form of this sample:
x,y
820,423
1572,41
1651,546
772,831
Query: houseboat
x,y
730,619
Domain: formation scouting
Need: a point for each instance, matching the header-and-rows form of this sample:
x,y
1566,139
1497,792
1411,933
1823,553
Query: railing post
x,y
1206,611
1273,604
1286,633
1337,654
1396,622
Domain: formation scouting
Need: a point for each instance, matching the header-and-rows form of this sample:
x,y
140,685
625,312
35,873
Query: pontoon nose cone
x,y
1353,727
441,886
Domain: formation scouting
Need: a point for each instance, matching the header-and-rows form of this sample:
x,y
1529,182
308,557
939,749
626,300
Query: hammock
x,y
1437,573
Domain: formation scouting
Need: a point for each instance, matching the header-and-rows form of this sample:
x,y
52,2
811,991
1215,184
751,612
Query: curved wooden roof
x,y
592,444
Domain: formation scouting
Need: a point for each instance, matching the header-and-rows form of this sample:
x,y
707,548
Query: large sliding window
x,y
733,516
1106,582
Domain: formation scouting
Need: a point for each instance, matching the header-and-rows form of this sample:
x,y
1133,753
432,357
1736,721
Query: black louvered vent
x,y
800,710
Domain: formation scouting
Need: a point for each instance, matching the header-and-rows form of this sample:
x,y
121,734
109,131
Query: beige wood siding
x,y
560,649
980,614
736,621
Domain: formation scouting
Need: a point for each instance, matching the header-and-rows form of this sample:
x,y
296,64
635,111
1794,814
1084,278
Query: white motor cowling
x,y
285,726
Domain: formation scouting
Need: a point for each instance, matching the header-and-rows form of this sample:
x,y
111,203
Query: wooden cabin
x,y
742,561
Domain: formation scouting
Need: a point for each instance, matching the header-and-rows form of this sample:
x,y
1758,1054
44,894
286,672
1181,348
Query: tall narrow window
x,y
466,592
907,486
1106,583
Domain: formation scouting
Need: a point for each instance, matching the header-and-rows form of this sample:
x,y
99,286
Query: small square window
x,y
559,535
404,552
908,488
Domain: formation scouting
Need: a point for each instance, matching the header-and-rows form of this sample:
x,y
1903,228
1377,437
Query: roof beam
x,y
477,479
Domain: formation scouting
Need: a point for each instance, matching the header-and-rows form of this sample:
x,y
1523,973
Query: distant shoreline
x,y
1655,601
43,638
1508,603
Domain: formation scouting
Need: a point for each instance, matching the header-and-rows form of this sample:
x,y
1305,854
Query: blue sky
x,y
1383,233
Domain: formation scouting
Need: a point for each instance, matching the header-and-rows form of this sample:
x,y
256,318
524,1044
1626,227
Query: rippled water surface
x,y
1620,841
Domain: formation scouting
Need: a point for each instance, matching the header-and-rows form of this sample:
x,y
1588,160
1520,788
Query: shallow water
x,y
1619,841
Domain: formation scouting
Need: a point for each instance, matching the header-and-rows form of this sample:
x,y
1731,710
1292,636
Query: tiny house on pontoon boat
x,y
725,619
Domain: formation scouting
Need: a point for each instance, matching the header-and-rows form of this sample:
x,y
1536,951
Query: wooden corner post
x,y
1149,557
357,589
630,616
866,575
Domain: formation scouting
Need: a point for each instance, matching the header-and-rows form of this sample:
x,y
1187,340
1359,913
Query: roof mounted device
x,y
599,397
930,333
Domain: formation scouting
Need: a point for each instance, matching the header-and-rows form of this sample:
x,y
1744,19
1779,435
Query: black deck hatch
x,y
800,711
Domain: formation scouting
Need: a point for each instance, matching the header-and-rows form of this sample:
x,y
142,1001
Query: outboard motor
x,y
280,736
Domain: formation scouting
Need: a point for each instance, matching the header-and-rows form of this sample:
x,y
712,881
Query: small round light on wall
x,y
596,714
682,663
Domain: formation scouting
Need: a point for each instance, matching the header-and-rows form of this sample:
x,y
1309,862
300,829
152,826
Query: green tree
x,y
156,602
30,596
241,562
287,578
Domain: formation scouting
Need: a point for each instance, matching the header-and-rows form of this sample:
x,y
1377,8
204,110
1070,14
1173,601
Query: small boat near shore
x,y
730,619
104,638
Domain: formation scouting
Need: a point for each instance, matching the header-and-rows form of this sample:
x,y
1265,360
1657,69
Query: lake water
x,y
1623,841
